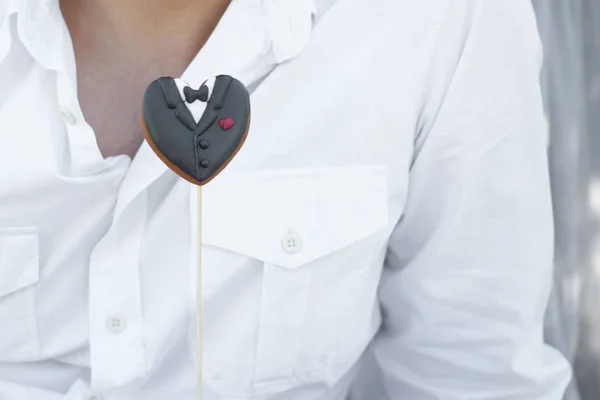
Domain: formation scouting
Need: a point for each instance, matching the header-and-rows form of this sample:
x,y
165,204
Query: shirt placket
x,y
116,320
85,157
45,35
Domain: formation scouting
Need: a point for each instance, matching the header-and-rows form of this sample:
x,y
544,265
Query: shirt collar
x,y
41,27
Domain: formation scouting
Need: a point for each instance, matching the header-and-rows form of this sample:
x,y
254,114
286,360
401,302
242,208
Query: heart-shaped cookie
x,y
196,132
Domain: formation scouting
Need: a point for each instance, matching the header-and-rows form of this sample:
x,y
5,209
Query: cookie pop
x,y
196,133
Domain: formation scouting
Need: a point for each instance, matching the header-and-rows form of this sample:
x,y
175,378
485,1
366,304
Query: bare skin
x,y
121,46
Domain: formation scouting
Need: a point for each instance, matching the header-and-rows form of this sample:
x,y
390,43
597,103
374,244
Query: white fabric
x,y
402,143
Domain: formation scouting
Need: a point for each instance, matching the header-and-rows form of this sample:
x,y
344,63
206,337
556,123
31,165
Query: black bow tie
x,y
192,95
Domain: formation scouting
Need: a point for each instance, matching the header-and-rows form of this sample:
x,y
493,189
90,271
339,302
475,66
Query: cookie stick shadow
x,y
196,133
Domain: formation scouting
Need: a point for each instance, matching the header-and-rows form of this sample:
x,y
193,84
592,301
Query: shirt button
x,y
116,323
291,243
68,116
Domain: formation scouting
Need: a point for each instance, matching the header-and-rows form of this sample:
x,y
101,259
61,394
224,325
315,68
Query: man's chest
x,y
112,107
294,229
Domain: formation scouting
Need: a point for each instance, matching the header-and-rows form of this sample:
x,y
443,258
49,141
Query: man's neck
x,y
149,30
121,46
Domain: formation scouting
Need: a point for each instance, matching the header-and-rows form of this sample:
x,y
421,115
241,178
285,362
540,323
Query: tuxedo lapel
x,y
215,103
174,101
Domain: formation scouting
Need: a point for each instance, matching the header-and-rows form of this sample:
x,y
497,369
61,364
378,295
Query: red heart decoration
x,y
226,123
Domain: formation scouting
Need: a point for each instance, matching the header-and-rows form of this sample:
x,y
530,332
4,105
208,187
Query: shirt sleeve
x,y
469,266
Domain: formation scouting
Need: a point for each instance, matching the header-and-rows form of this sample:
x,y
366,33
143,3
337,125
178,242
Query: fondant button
x,y
204,163
226,123
204,144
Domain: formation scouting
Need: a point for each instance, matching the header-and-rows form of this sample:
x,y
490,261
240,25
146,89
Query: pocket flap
x,y
321,209
19,263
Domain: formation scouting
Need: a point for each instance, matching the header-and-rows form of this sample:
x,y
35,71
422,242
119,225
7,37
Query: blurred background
x,y
570,31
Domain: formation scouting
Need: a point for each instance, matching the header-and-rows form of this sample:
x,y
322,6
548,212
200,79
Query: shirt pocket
x,y
19,272
319,236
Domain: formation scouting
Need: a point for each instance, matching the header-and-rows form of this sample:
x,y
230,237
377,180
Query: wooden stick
x,y
227,99
199,295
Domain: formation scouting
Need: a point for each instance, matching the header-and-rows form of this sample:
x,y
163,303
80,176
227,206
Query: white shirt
x,y
391,201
